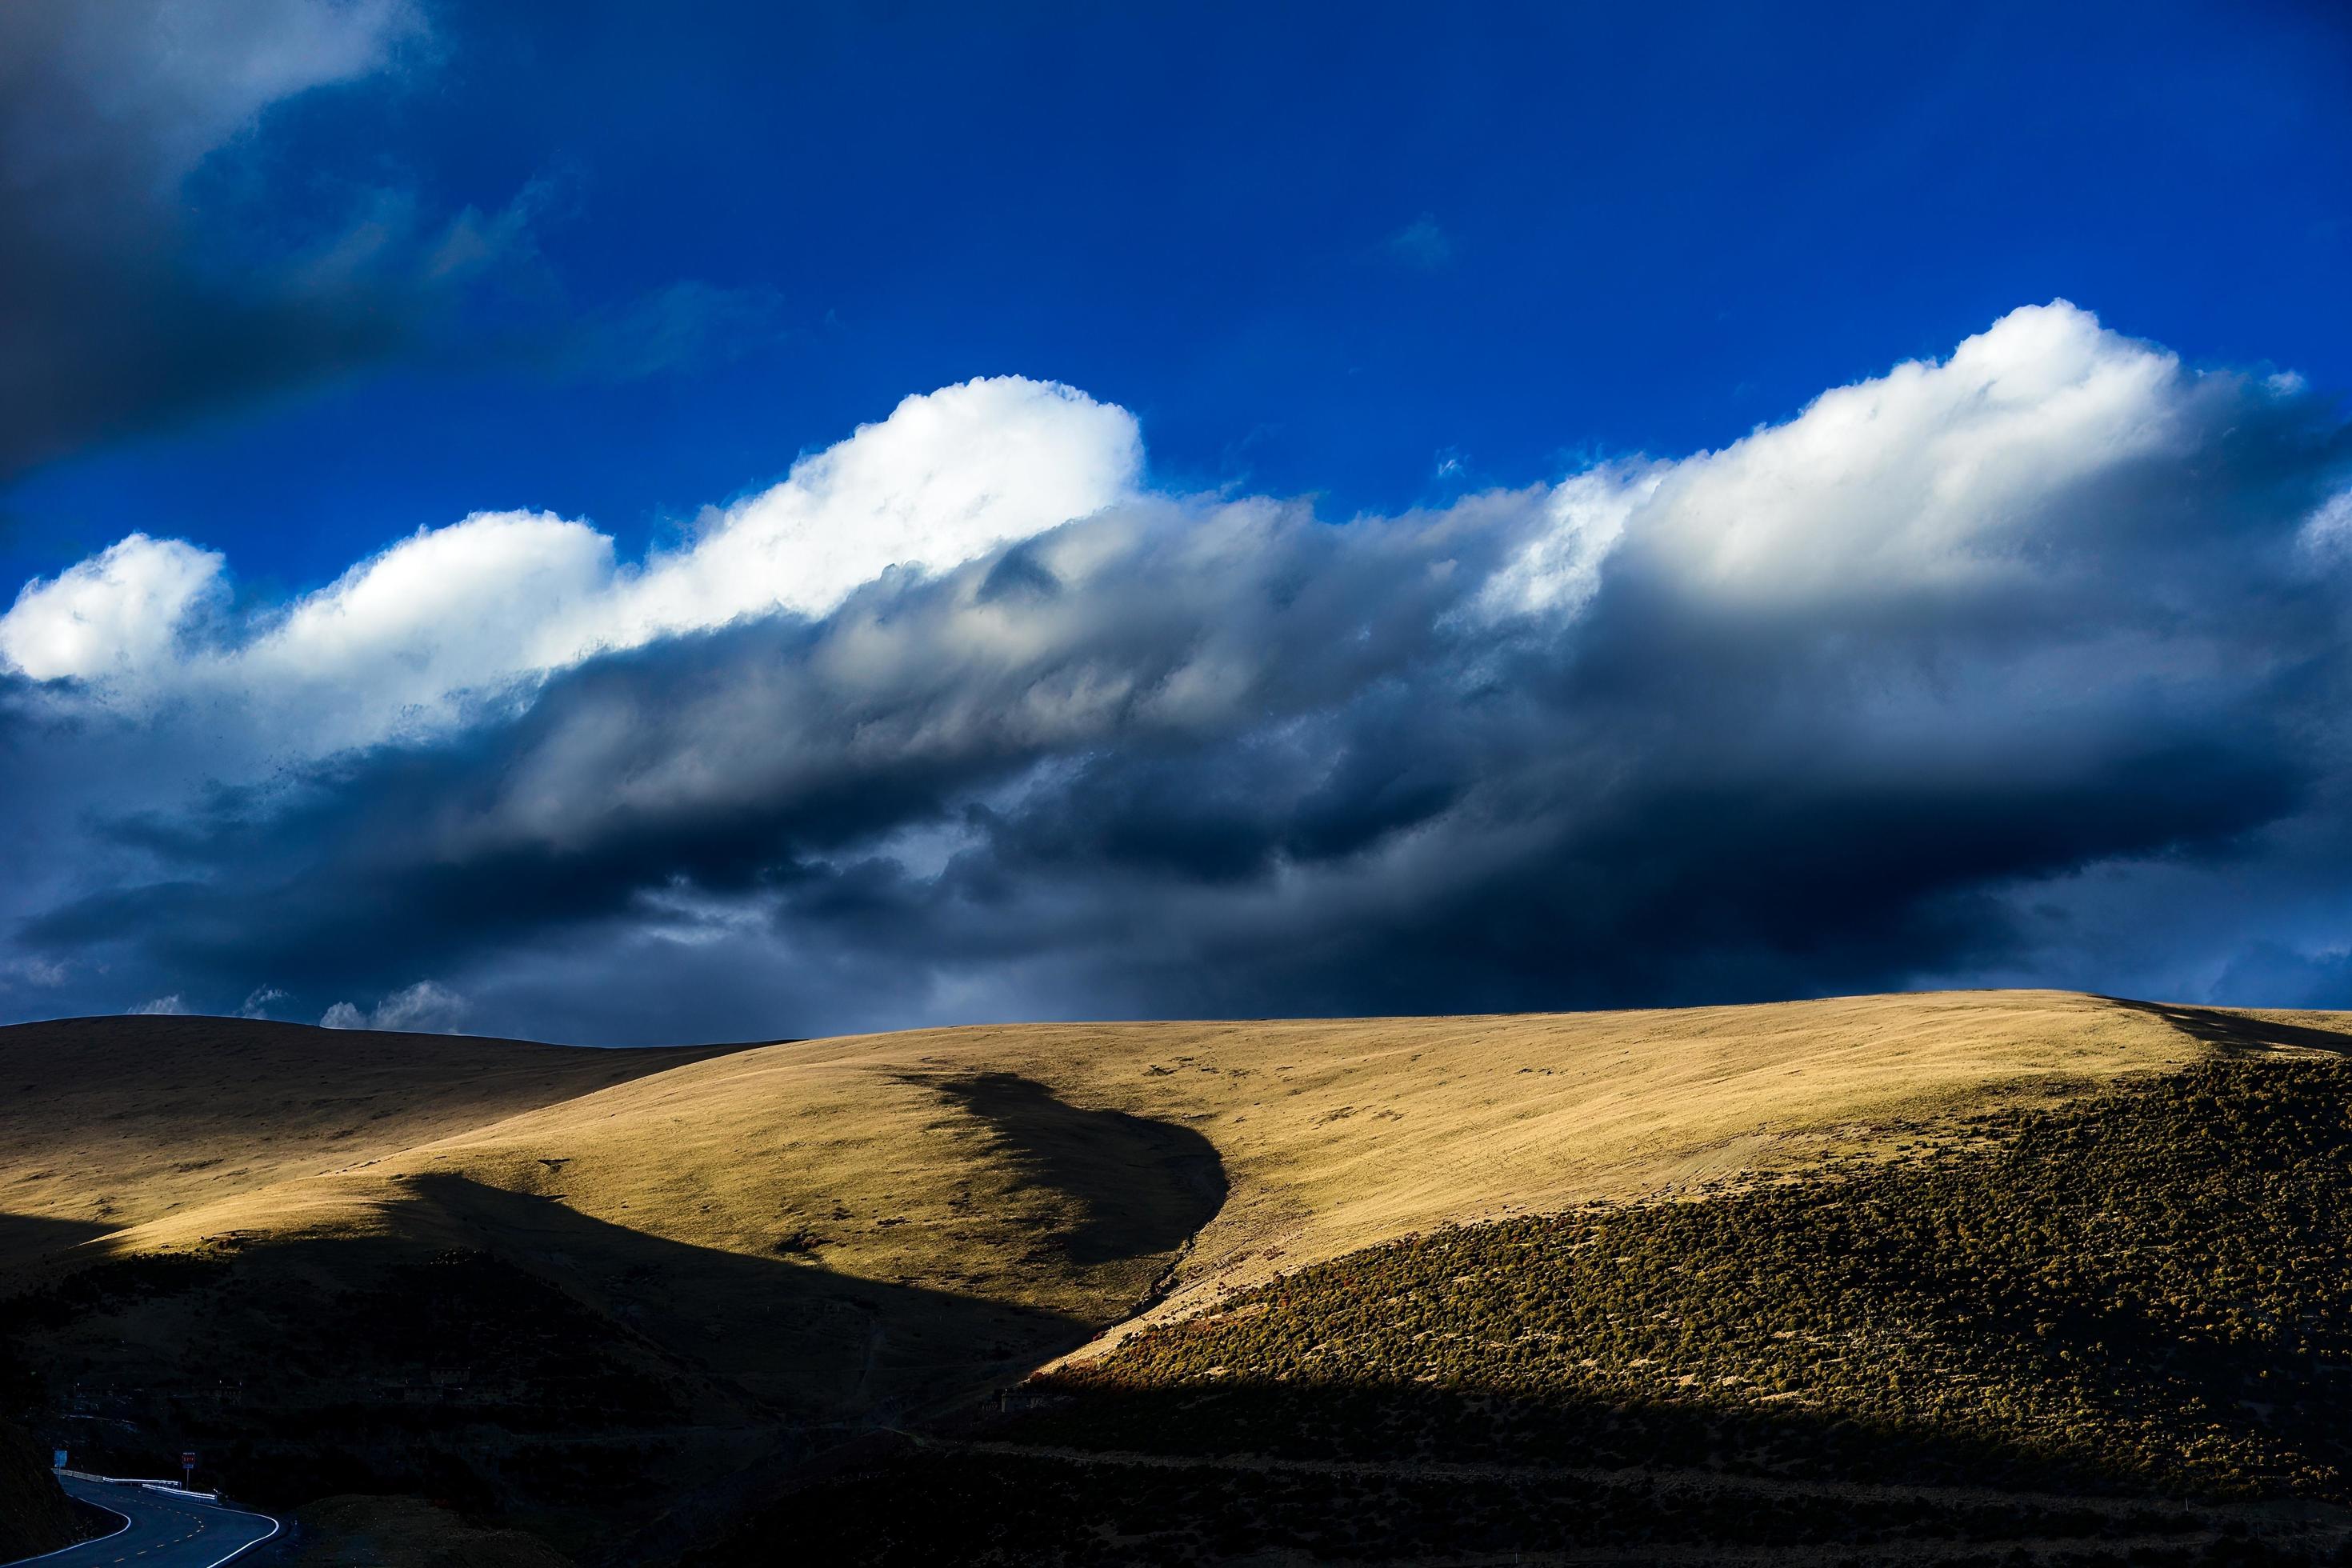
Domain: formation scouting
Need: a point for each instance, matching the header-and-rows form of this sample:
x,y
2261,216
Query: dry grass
x,y
1004,1191
107,1122
795,1241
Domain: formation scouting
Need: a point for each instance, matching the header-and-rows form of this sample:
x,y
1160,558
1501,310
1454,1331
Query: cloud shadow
x,y
1142,1186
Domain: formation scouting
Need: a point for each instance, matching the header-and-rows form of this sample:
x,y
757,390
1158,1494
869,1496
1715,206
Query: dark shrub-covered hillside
x,y
35,1516
2150,1289
2117,1331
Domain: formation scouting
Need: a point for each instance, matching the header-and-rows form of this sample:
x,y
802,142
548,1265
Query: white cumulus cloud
x,y
419,635
117,618
961,698
1937,474
421,1008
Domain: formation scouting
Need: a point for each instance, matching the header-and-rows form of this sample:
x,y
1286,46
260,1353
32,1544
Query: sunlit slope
x,y
105,1122
749,1256
838,1236
1327,1134
2109,1329
1065,1167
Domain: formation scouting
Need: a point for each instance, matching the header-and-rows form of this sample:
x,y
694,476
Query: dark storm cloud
x,y
124,302
159,261
1863,699
832,736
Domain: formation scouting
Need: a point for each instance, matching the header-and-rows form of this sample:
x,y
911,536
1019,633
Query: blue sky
x,y
624,523
1314,252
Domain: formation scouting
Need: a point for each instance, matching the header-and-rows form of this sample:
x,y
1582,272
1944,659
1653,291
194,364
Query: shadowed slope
x,y
106,1122
1142,1187
502,1351
2254,1029
2104,1331
34,1517
368,1531
821,1177
604,1310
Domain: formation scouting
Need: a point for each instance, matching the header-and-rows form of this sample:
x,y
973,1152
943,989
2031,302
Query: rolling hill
x,y
604,1293
107,1122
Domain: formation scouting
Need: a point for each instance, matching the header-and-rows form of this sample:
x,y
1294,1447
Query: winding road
x,y
165,1531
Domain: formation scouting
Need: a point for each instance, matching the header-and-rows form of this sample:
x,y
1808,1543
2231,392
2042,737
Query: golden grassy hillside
x,y
782,1245
1060,1170
105,1122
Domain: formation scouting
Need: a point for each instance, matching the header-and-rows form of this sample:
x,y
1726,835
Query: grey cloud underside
x,y
1257,763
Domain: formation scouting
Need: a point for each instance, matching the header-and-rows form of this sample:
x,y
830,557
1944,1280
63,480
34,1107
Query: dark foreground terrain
x,y
35,1516
2117,1332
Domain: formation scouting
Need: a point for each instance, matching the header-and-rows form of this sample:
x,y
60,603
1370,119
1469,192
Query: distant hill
x,y
108,1122
591,1307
